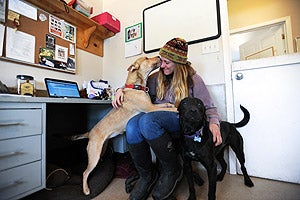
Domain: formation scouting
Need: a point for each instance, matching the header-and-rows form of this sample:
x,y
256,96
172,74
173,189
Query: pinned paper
x,y
20,45
23,8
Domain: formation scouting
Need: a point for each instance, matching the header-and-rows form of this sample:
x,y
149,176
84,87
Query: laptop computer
x,y
61,88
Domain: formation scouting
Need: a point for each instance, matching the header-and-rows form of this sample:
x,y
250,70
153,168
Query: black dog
x,y
198,144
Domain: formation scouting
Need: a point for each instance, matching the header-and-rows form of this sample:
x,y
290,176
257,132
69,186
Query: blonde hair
x,y
181,82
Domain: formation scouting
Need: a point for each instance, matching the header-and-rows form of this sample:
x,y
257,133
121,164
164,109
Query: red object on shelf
x,y
70,2
108,21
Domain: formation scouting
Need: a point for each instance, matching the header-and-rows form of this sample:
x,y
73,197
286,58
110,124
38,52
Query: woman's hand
x,y
217,138
118,99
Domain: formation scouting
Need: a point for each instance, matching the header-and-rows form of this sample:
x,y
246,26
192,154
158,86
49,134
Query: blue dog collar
x,y
196,136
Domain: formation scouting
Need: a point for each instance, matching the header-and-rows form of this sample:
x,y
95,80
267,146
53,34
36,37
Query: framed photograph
x,y
61,53
133,32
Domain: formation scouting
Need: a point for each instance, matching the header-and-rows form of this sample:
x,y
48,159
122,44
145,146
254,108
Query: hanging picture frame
x,y
133,32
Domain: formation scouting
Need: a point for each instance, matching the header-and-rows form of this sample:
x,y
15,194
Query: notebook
x,y
62,88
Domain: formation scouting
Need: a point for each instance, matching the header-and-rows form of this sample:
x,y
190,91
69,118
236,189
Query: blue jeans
x,y
152,125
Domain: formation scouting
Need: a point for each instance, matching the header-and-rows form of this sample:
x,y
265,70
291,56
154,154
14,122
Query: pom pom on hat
x,y
175,50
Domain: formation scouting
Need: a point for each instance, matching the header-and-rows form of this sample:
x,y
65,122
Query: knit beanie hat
x,y
175,50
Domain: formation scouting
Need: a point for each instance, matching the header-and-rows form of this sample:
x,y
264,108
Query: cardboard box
x,y
108,21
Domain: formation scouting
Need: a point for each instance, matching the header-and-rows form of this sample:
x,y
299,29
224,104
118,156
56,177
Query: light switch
x,y
210,46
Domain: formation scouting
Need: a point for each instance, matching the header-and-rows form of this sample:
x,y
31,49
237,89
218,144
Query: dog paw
x,y
249,183
86,191
128,188
220,178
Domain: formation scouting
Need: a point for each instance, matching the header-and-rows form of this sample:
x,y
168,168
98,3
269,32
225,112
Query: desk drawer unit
x,y
22,149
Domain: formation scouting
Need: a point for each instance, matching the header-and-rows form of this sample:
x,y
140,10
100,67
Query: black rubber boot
x,y
142,159
170,167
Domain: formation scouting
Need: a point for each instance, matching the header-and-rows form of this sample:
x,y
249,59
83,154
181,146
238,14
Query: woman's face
x,y
167,66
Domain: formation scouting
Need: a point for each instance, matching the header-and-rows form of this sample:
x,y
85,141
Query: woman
x,y
175,80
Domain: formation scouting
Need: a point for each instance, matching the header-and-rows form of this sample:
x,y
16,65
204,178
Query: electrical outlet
x,y
210,46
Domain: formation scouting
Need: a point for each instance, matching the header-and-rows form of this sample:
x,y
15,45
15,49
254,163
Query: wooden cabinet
x,y
90,35
22,149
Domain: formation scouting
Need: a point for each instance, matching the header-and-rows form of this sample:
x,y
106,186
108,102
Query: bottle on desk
x,y
26,85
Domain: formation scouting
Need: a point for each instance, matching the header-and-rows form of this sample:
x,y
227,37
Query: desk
x,y
27,126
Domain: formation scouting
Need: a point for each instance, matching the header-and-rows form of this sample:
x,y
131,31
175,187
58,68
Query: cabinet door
x,y
18,181
271,139
20,122
19,151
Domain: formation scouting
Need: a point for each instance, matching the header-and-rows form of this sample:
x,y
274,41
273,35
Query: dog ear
x,y
133,67
202,107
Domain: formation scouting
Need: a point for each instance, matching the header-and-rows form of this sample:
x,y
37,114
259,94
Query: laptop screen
x,y
61,88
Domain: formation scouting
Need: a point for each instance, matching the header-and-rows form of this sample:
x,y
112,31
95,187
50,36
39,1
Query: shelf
x,y
89,35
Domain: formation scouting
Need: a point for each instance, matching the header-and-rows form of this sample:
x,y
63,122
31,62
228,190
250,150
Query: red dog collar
x,y
137,87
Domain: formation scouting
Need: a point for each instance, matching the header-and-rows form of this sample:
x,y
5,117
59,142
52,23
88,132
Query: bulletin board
x,y
179,18
53,41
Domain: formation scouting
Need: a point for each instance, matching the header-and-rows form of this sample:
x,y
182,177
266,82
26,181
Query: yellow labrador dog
x,y
136,100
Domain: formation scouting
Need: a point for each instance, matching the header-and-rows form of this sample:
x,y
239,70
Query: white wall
x,y
210,66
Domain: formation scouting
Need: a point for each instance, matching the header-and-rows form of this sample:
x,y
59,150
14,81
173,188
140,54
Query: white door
x,y
272,42
272,137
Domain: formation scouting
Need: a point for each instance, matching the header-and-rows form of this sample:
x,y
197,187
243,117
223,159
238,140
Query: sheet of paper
x,y
23,8
55,26
72,49
133,48
2,28
20,45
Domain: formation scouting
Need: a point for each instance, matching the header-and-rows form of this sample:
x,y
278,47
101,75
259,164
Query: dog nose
x,y
193,109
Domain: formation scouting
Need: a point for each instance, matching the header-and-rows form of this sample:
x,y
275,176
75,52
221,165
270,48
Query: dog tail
x,y
246,118
79,137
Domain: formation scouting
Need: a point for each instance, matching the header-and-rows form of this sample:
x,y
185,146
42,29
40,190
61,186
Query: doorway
x,y
267,39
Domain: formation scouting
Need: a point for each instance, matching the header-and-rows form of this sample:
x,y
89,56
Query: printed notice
x,y
20,45
23,9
